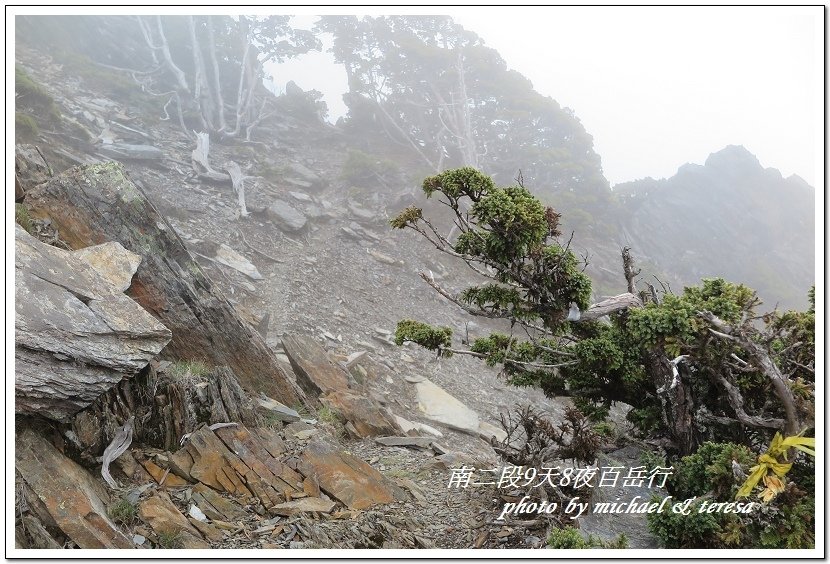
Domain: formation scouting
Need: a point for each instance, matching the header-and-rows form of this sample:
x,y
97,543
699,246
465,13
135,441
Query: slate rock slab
x,y
438,405
76,333
316,373
347,478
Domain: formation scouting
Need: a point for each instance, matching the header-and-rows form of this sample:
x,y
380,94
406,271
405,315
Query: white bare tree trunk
x,y
181,79
217,86
201,164
238,181
201,91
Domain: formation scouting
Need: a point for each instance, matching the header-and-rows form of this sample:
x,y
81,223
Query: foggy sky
x,y
656,87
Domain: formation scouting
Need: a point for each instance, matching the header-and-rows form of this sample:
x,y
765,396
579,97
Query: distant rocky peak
x,y
734,160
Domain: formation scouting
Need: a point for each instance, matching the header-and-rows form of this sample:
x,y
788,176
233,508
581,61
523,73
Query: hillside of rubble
x,y
205,351
362,454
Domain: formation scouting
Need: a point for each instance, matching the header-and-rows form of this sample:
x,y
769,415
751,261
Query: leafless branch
x,y
630,272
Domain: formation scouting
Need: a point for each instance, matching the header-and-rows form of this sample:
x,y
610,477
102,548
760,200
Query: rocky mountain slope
x,y
313,269
729,217
358,450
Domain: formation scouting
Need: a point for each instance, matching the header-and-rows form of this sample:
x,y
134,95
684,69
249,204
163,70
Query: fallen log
x,y
95,203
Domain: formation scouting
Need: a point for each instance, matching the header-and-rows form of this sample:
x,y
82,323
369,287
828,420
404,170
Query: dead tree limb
x,y
238,181
181,79
120,443
614,304
736,401
217,87
630,272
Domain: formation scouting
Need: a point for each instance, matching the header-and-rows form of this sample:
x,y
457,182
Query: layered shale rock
x,y
76,334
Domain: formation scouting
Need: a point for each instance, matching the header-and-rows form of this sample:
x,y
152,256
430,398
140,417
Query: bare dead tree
x,y
204,90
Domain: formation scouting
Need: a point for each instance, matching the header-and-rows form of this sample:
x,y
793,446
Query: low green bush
x,y
709,470
571,538
787,521
22,217
567,537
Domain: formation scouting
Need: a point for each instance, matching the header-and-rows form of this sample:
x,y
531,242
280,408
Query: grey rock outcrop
x,y
76,333
91,204
309,178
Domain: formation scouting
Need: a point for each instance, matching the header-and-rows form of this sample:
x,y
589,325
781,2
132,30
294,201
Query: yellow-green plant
x,y
328,415
772,461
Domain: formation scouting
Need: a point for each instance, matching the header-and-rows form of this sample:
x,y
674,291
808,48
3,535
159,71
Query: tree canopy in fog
x,y
217,63
427,83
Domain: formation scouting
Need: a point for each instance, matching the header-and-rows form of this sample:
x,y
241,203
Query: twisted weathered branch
x,y
762,359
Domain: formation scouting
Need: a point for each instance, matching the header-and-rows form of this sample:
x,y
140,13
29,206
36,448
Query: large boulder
x,y
438,405
310,179
316,373
93,204
76,333
113,262
367,417
165,519
30,168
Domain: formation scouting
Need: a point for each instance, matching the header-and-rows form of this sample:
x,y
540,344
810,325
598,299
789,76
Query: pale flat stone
x,y
286,216
112,262
416,427
405,424
227,256
301,196
438,405
278,410
488,431
380,257
429,430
